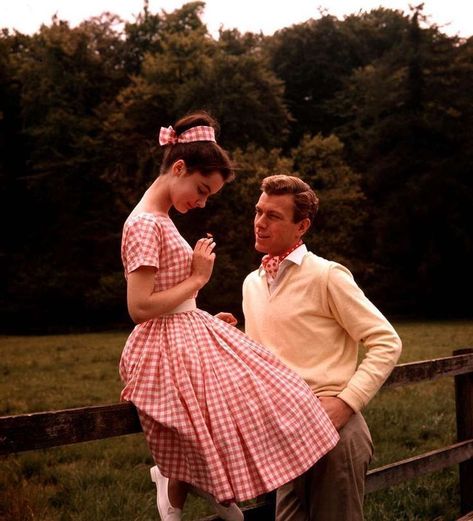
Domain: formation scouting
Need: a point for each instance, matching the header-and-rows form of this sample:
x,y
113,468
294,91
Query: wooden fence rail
x,y
50,429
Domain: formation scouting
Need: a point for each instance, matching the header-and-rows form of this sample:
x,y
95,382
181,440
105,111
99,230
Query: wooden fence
x,y
50,429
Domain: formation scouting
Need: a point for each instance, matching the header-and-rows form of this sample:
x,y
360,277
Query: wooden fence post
x,y
464,409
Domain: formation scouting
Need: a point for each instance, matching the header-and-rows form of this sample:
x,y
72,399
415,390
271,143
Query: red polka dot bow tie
x,y
271,263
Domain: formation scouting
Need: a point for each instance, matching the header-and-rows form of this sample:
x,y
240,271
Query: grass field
x,y
109,480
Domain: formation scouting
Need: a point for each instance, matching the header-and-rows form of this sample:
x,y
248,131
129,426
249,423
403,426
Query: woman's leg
x,y
170,497
177,493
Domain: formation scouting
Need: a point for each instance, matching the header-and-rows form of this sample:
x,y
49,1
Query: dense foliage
x,y
375,111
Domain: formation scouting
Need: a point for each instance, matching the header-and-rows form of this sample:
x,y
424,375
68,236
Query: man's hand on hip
x,y
338,411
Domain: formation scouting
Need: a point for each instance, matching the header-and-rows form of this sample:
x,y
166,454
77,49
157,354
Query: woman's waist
x,y
183,307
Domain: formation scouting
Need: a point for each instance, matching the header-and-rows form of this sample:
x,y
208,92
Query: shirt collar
x,y
295,257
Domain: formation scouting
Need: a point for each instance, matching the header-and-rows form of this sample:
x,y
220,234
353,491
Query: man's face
x,y
275,231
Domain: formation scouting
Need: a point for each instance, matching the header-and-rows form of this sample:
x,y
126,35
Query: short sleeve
x,y
141,243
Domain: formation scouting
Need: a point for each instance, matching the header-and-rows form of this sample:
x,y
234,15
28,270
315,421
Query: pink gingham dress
x,y
219,411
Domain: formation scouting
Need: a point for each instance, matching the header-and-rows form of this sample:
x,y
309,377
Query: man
x,y
310,312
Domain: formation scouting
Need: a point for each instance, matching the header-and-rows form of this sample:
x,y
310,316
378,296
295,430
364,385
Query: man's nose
x,y
260,220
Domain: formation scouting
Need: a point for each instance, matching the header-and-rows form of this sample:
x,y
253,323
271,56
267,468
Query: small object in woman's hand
x,y
209,235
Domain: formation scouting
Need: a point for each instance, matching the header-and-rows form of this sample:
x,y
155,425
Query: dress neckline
x,y
137,214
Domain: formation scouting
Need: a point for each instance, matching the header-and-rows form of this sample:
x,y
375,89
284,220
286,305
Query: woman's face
x,y
191,191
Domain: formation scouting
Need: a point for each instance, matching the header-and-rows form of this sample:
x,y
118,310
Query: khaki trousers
x,y
333,489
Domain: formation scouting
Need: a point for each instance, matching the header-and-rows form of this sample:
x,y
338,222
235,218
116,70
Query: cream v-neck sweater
x,y
314,320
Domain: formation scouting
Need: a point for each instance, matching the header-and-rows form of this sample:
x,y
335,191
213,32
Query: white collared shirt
x,y
295,257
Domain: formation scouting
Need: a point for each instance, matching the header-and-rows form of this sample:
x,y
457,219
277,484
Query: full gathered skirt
x,y
220,411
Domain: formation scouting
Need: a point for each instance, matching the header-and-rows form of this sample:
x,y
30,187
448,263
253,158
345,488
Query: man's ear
x,y
303,225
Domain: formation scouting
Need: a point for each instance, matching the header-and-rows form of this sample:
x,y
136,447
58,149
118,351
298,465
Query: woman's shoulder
x,y
145,219
145,227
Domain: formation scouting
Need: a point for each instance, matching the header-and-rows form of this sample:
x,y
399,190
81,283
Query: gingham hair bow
x,y
168,136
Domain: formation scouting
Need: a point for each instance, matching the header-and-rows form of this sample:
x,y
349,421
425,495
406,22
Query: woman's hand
x,y
227,317
203,261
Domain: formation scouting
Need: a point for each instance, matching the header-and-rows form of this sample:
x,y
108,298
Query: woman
x,y
220,413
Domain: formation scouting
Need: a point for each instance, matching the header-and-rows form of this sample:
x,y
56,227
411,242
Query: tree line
x,y
374,111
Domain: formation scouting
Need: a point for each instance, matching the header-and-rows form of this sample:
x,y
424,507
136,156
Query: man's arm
x,y
364,323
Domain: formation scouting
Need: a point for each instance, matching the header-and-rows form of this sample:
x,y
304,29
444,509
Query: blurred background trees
x,y
375,111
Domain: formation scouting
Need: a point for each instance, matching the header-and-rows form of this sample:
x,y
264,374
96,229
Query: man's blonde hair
x,y
306,202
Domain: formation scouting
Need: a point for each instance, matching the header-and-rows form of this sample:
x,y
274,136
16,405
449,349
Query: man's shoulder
x,y
253,276
315,260
311,260
315,266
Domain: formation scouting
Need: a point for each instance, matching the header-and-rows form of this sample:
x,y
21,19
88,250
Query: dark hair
x,y
204,157
306,202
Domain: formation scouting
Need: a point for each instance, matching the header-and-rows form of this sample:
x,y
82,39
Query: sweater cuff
x,y
350,398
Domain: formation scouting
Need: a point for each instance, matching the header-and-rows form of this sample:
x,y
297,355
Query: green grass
x,y
109,480
414,419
